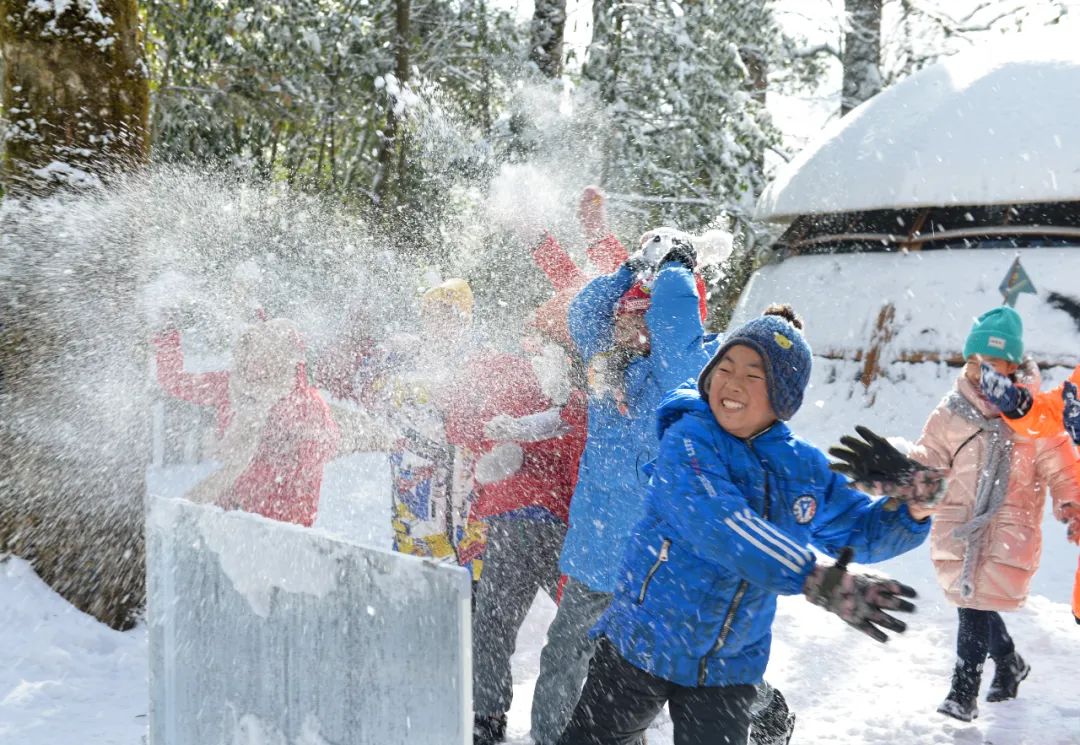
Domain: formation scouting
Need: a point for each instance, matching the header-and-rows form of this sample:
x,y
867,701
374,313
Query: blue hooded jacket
x,y
726,530
609,498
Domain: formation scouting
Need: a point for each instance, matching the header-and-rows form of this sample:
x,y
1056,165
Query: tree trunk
x,y
546,36
862,53
757,83
392,143
73,405
76,92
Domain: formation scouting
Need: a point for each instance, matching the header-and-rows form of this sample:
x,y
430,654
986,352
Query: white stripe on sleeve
x,y
769,532
753,541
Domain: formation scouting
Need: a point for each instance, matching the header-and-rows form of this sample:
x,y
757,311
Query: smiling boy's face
x,y
738,393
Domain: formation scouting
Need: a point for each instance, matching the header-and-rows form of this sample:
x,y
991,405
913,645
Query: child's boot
x,y
1009,671
962,701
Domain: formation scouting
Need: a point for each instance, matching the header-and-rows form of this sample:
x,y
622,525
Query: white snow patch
x,y
937,295
65,678
65,173
57,8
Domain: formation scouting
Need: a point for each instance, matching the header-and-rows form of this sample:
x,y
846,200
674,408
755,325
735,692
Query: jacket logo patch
x,y
782,340
996,342
804,509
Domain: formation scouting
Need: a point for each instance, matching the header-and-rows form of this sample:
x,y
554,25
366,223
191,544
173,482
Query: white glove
x,y
501,462
530,428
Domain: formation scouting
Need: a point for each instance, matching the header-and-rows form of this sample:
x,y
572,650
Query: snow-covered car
x,y
897,226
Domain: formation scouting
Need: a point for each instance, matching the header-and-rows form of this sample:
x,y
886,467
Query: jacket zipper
x,y
740,591
660,559
703,667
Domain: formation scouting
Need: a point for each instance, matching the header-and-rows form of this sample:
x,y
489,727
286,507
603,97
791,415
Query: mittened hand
x,y
1070,415
873,462
859,599
638,263
1070,515
1003,393
682,251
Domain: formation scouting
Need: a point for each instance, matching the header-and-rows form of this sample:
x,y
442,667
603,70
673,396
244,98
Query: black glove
x,y
1070,413
874,462
859,599
637,264
682,251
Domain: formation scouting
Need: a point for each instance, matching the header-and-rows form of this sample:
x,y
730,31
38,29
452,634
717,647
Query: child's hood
x,y
678,402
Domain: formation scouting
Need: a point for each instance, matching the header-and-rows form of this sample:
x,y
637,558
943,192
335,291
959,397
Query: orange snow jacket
x,y
1076,594
1044,418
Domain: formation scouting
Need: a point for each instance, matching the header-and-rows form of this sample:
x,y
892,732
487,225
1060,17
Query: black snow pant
x,y
521,557
982,632
619,702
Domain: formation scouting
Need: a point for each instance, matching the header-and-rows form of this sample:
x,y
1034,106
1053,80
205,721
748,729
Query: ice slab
x,y
269,633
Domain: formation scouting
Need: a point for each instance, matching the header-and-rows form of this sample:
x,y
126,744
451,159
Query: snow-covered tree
x,y
687,130
916,34
314,92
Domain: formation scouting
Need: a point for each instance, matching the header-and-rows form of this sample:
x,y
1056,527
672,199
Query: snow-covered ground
x,y
69,679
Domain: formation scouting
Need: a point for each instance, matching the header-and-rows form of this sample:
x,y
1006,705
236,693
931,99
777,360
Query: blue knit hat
x,y
997,333
786,355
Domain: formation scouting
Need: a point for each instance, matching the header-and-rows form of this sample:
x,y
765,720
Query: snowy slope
x,y
992,125
66,679
75,681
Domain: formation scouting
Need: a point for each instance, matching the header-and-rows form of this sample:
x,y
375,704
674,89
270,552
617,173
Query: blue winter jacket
x,y
610,495
726,530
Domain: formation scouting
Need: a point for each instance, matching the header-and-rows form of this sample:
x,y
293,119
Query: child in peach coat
x,y
986,537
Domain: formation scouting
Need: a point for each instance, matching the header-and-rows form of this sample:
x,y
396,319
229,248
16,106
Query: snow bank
x,y
66,678
993,125
937,295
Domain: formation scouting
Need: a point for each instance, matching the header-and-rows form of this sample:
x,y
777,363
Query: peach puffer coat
x,y
1012,543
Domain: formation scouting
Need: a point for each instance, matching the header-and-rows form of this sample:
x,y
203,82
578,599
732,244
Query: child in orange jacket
x,y
1042,414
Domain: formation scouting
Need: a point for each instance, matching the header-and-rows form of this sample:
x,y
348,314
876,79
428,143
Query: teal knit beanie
x,y
997,333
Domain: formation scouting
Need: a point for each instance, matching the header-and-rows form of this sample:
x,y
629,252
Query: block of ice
x,y
267,632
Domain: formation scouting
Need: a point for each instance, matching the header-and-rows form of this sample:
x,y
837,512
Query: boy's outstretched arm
x,y
592,312
675,328
874,528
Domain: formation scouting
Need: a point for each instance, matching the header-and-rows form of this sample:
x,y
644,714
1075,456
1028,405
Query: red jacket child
x,y
275,432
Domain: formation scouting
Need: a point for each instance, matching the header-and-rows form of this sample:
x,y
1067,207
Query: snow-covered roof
x,y
993,125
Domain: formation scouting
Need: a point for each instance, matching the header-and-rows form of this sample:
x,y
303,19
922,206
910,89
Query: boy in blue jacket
x,y
734,502
638,342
